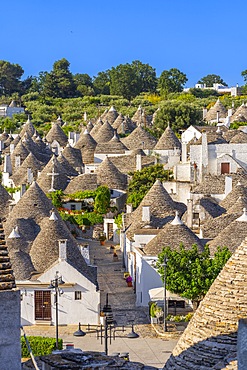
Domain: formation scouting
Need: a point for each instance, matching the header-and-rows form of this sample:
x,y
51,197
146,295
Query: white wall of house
x,y
71,311
108,221
73,205
216,153
143,239
146,278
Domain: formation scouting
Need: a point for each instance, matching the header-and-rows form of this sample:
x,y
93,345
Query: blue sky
x,y
198,37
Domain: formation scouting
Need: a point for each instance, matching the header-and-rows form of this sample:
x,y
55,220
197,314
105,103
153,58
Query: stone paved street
x,y
111,281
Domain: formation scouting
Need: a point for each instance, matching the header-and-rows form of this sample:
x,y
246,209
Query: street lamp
x,y
55,285
165,305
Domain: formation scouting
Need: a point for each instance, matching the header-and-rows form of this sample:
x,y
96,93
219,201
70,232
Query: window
x,y
77,295
72,207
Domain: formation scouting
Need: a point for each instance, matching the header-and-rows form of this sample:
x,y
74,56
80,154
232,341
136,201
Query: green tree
x,y
101,83
179,114
10,75
124,81
59,83
212,79
142,181
102,199
146,75
83,84
56,198
189,272
172,81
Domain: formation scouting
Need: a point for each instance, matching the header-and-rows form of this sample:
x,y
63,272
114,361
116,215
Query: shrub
x,y
40,346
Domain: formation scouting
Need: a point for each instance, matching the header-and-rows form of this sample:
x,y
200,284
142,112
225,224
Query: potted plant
x,y
129,281
102,238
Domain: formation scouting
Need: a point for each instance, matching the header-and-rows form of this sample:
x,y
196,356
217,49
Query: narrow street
x,y
111,280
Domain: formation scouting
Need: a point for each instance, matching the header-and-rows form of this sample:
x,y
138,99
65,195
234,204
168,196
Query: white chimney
x,y
228,185
204,112
138,162
23,189
129,208
184,152
17,161
190,213
7,164
218,116
146,214
62,249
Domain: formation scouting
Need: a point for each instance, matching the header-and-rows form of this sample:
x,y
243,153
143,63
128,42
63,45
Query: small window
x,y
72,207
77,295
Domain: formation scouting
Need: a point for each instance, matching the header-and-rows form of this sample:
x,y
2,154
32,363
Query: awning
x,y
157,294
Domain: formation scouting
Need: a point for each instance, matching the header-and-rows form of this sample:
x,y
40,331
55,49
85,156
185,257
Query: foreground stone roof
x,y
7,279
210,339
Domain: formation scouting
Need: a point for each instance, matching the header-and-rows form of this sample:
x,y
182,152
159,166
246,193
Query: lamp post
x,y
165,305
55,285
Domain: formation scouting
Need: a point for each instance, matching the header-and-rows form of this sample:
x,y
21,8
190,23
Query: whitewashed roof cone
x,y
53,216
14,233
243,218
177,220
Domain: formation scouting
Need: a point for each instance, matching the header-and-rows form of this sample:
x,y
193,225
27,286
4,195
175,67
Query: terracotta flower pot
x,y
129,283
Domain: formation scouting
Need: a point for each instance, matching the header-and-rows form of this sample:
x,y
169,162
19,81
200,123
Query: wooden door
x,y
225,168
42,304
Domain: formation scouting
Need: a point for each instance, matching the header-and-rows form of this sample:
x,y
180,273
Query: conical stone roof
x,y
19,151
126,127
49,182
28,127
211,335
28,212
114,146
238,190
7,279
43,255
86,181
241,111
111,115
73,156
239,138
139,139
109,175
127,163
4,201
137,115
56,133
4,136
86,144
212,113
105,133
168,140
118,121
68,169
162,209
96,128
231,236
172,235
31,162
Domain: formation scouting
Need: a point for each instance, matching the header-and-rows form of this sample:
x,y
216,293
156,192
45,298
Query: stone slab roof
x,y
109,175
7,279
43,255
168,140
56,133
172,235
211,335
86,181
139,139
